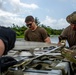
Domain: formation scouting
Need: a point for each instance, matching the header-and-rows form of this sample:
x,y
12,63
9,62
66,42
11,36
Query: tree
x,y
37,21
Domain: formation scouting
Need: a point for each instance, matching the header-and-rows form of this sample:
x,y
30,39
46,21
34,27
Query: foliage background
x,y
20,30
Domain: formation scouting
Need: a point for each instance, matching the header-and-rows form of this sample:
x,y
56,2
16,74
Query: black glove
x,y
6,62
62,38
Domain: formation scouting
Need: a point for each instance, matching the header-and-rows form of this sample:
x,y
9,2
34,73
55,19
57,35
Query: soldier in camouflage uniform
x,y
69,34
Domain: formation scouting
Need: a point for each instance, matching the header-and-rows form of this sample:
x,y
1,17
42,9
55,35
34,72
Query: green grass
x,y
19,36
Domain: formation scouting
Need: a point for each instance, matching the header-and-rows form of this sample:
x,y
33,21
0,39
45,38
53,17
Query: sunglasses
x,y
28,25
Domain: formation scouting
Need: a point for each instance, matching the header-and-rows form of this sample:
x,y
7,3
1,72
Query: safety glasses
x,y
28,25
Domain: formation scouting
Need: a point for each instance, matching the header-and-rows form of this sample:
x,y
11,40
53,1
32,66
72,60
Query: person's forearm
x,y
2,47
47,40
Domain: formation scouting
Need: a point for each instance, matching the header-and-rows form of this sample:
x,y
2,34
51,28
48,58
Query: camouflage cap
x,y
71,18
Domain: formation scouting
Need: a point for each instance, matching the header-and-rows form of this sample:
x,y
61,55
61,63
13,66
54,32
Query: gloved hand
x,y
6,62
62,38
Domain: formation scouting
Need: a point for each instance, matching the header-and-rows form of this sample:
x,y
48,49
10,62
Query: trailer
x,y
36,58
